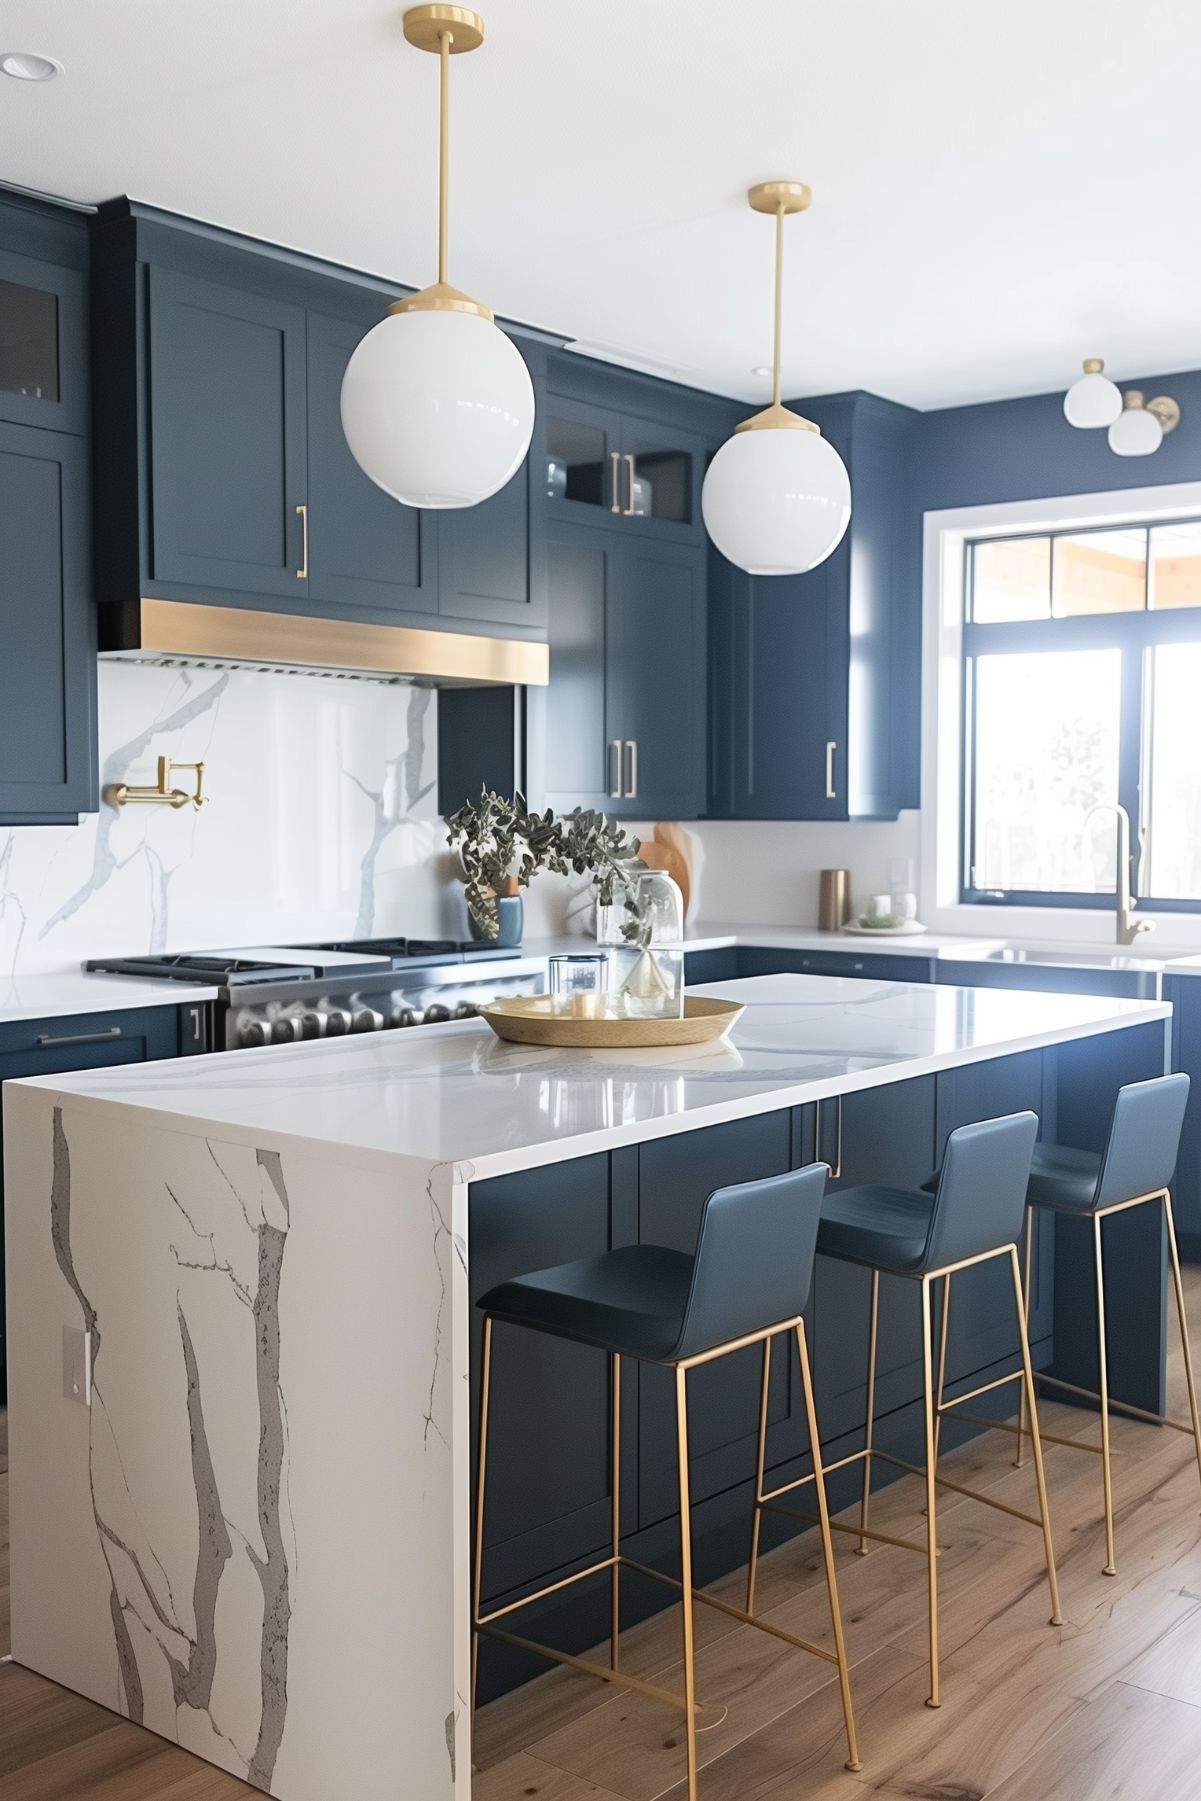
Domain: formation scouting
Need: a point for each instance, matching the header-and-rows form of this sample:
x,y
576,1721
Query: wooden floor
x,y
1105,1708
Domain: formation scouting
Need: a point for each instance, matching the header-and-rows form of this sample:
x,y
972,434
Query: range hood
x,y
180,631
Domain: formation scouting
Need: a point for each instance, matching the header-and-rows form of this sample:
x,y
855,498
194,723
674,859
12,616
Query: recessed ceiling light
x,y
761,369
27,65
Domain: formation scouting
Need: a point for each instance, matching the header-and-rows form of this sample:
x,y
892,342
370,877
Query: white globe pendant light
x,y
1093,401
777,497
437,403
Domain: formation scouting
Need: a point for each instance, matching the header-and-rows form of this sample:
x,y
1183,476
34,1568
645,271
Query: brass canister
x,y
834,900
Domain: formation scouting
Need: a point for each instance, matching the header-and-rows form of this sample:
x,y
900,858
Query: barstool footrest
x,y
1048,1438
973,1494
552,1588
882,1538
734,1613
1115,1406
622,1678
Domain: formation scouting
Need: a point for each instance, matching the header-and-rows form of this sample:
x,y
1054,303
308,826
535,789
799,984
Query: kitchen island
x,y
241,1339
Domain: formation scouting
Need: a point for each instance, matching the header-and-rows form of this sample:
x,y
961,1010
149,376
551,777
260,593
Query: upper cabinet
x,y
622,725
47,634
615,458
227,476
805,690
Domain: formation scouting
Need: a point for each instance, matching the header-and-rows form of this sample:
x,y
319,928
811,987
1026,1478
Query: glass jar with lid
x,y
642,928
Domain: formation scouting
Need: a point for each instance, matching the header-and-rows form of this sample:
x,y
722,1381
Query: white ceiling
x,y
1001,187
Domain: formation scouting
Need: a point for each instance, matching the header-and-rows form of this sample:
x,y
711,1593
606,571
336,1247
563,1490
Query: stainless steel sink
x,y
1059,967
1071,959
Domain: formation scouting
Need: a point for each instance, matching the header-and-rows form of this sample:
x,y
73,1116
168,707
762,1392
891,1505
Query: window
x,y
1082,691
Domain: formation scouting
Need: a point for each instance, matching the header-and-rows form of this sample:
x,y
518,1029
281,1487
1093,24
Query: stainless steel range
x,y
303,992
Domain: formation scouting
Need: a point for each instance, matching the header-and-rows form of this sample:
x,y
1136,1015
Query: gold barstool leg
x,y
1106,1475
760,1467
932,1700
1174,1254
615,1572
869,1435
819,1484
481,1483
1019,1457
944,1327
686,1576
1035,1440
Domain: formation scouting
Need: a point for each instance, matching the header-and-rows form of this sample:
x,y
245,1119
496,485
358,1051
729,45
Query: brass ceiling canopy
x,y
779,198
445,31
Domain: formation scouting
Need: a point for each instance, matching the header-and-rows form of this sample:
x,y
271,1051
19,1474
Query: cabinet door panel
x,y
47,632
655,667
584,476
43,344
549,1474
662,472
365,549
675,1177
578,766
227,413
880,1135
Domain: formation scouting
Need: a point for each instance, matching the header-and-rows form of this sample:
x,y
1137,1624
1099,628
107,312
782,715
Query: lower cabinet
x,y
51,1047
754,960
1184,992
550,1477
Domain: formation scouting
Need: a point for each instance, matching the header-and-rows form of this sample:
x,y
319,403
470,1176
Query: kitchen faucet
x,y
1128,927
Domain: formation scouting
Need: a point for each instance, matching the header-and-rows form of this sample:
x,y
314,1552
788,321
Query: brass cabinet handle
x,y
836,1165
615,458
302,574
49,1039
831,747
628,509
615,763
631,792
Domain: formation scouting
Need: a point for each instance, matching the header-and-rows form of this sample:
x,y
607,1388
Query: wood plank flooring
x,y
1105,1708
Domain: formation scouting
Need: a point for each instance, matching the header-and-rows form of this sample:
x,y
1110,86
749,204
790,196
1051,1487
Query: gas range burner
x,y
410,953
231,971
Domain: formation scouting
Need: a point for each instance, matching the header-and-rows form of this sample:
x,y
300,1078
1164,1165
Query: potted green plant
x,y
503,845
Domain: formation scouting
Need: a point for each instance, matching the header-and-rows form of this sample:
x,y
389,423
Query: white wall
x,y
323,820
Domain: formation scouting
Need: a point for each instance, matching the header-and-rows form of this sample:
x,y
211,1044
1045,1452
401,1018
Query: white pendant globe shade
x,y
776,501
1092,402
438,407
1135,433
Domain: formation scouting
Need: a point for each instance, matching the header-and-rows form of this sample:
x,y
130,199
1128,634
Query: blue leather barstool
x,y
1134,1170
973,1215
747,1283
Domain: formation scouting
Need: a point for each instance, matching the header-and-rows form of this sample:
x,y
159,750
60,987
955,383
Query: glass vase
x,y
642,928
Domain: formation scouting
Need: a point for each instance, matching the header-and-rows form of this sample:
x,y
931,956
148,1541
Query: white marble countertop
x,y
456,1095
79,991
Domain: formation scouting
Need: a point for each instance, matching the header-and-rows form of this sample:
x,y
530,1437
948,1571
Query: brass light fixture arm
x,y
779,198
161,794
445,31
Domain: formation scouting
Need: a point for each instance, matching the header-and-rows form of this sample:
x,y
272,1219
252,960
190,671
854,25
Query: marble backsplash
x,y
323,820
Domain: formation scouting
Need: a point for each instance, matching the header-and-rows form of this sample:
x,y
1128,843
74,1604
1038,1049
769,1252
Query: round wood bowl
x,y
531,1020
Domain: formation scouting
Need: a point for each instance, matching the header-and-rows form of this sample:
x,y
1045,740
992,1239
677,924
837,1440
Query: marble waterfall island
x,y
239,1320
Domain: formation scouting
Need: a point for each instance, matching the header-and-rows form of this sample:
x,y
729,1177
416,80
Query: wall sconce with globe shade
x,y
1136,426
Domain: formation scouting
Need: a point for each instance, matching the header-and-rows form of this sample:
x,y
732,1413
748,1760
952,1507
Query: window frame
x,y
1132,634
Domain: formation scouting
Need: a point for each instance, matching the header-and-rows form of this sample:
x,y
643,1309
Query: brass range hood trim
x,y
181,628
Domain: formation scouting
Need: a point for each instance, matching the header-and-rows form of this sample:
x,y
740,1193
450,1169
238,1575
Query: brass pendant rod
x,y
777,337
445,39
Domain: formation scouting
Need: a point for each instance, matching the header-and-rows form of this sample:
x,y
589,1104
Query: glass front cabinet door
x,y
610,468
43,327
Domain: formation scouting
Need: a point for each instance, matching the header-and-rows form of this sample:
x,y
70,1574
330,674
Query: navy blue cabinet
x,y
227,478
756,960
365,550
47,631
1184,992
624,453
492,557
806,690
47,636
51,1047
622,724
227,437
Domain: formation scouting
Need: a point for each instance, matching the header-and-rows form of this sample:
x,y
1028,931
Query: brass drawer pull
x,y
615,760
615,458
302,574
631,792
629,506
831,747
49,1039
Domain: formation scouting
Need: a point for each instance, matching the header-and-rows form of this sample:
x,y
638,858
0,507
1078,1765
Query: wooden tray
x,y
530,1020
